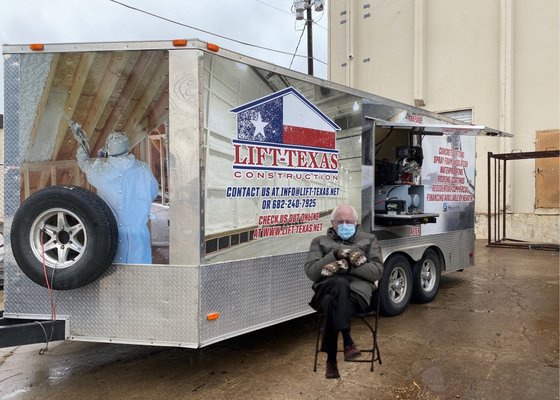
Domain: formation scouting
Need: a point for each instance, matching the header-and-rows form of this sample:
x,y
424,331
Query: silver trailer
x,y
250,160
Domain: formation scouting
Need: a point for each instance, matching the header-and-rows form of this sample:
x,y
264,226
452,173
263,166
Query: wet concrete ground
x,y
492,333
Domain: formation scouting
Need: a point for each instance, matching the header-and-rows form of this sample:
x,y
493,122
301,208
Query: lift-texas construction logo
x,y
283,135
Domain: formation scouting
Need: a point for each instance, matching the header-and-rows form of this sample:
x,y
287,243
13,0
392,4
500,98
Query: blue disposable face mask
x,y
346,231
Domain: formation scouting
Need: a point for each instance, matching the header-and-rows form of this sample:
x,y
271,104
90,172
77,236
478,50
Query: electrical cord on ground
x,y
210,33
48,339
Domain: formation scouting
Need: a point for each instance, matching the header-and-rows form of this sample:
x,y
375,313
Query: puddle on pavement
x,y
59,374
14,394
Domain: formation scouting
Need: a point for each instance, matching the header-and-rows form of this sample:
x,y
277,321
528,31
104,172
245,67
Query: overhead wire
x,y
305,26
291,13
320,18
210,33
276,8
297,47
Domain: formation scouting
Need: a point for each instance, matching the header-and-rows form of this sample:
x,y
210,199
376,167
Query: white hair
x,y
354,212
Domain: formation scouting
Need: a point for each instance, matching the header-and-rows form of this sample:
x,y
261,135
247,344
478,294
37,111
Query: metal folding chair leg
x,y
319,335
374,350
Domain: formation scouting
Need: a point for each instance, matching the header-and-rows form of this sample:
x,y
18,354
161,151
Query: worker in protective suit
x,y
128,186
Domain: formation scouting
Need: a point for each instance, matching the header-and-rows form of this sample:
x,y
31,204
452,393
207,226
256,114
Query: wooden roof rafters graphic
x,y
104,92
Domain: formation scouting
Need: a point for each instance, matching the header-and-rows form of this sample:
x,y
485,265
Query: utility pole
x,y
300,6
309,41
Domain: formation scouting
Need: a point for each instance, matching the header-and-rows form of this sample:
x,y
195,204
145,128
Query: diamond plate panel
x,y
252,294
129,303
11,170
140,302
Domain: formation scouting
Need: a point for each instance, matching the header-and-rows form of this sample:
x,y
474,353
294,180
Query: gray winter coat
x,y
362,279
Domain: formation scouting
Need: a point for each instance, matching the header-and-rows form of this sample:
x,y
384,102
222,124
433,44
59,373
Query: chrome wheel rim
x,y
398,285
428,275
58,237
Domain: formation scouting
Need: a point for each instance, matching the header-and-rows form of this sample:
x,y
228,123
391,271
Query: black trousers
x,y
334,299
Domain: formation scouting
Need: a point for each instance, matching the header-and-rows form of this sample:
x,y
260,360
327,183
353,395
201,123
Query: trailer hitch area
x,y
18,332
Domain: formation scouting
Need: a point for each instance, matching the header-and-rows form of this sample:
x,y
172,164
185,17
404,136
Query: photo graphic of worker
x,y
128,186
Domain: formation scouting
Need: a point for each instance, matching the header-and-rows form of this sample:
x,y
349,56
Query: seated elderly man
x,y
344,265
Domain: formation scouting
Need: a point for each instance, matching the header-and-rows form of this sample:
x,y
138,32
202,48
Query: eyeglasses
x,y
343,221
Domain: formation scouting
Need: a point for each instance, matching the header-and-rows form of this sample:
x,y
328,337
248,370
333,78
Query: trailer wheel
x,y
66,232
396,285
426,276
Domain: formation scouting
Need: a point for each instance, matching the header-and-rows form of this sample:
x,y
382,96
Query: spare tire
x,y
66,233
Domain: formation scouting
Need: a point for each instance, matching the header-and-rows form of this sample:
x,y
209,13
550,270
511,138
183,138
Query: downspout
x,y
418,64
506,71
506,84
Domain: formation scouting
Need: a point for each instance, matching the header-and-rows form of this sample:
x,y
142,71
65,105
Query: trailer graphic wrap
x,y
72,103
449,181
274,171
284,132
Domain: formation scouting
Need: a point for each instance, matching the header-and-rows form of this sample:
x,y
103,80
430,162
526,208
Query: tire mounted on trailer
x,y
395,285
426,277
70,230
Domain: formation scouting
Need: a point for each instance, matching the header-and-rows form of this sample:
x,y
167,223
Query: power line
x,y
317,22
276,8
297,47
289,13
208,32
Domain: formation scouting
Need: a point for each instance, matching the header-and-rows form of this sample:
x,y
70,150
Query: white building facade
x,y
489,62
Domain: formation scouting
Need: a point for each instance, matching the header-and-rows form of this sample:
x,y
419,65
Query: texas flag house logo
x,y
284,132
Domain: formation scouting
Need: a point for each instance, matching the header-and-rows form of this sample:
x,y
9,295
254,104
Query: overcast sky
x,y
266,23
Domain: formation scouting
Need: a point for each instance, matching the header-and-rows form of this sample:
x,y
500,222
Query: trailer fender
x,y
413,252
64,237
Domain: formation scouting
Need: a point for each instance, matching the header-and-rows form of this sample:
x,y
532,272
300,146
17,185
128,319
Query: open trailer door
x,y
422,196
424,174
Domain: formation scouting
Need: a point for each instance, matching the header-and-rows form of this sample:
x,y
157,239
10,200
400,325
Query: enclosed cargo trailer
x,y
250,160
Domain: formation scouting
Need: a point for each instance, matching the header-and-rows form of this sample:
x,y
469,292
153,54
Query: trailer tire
x,y
395,286
426,277
68,228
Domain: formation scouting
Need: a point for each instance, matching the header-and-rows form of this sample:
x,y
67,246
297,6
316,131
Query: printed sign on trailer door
x,y
449,179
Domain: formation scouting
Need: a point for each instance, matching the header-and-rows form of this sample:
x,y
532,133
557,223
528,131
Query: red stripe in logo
x,y
300,136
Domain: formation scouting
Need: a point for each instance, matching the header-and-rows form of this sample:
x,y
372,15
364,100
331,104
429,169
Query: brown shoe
x,y
351,352
332,371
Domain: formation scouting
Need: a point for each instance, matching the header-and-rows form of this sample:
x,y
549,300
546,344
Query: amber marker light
x,y
37,46
179,42
212,316
212,47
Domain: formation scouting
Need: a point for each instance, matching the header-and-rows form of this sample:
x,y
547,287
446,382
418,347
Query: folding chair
x,y
372,314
